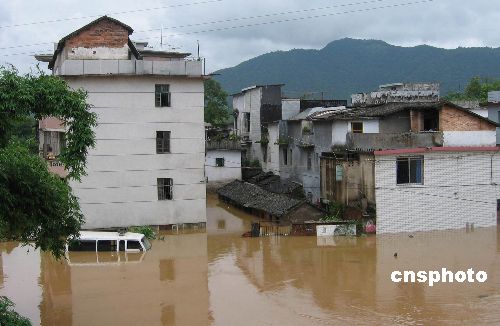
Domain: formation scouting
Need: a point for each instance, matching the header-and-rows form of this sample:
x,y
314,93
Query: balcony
x,y
306,141
130,67
229,145
368,142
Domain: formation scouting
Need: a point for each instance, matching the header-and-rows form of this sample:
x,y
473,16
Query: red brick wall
x,y
452,119
103,34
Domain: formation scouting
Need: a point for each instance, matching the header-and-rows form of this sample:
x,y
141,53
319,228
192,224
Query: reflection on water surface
x,y
220,278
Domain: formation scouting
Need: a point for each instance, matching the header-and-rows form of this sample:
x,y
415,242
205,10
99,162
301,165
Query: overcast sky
x,y
275,24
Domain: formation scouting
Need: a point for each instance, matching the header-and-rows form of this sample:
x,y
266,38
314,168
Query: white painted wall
x,y
121,186
339,131
98,53
369,126
470,138
458,188
232,166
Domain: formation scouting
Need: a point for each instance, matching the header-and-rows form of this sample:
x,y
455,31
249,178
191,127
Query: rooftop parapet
x,y
130,67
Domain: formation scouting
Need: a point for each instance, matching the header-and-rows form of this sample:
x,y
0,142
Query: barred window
x,y
162,95
357,127
219,162
165,186
162,142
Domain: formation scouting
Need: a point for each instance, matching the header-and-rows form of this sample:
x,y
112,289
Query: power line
x,y
269,22
112,13
224,20
303,18
262,16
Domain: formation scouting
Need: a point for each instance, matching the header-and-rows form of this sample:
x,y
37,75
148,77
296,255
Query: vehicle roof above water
x,y
100,235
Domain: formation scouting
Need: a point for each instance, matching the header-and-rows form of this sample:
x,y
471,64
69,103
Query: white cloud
x,y
443,23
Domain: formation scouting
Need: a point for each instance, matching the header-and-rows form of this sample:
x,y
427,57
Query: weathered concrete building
x,y
398,92
494,110
379,166
148,164
255,107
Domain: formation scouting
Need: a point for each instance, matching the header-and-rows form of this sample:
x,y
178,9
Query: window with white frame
x,y
410,170
165,186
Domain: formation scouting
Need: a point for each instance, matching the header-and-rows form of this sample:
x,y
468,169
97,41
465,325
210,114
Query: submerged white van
x,y
109,241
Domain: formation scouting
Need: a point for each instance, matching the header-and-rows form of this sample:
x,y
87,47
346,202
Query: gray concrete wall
x,y
399,122
394,141
297,167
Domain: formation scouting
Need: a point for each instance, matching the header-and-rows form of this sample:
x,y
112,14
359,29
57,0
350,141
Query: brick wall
x,y
452,119
102,34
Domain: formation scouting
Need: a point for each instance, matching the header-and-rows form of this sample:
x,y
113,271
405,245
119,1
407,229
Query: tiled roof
x,y
383,110
252,196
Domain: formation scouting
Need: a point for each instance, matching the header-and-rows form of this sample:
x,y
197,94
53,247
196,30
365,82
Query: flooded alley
x,y
219,278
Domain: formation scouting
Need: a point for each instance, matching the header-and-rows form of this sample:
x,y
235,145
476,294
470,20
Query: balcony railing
x,y
394,141
234,145
306,141
130,67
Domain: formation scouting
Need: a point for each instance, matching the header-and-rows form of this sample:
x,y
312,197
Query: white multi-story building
x,y
147,167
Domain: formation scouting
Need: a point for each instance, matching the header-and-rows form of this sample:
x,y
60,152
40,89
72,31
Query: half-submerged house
x,y
425,165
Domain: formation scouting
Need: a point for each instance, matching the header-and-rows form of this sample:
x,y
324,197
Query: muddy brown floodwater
x,y
219,278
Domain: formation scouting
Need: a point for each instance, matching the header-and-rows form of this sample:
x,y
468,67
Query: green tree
x,y
473,89
476,90
216,109
36,206
8,317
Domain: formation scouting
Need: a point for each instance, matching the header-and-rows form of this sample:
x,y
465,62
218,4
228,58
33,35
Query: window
x,y
162,142
410,170
285,156
165,186
106,245
133,245
498,116
219,162
82,245
162,95
309,161
357,127
246,121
